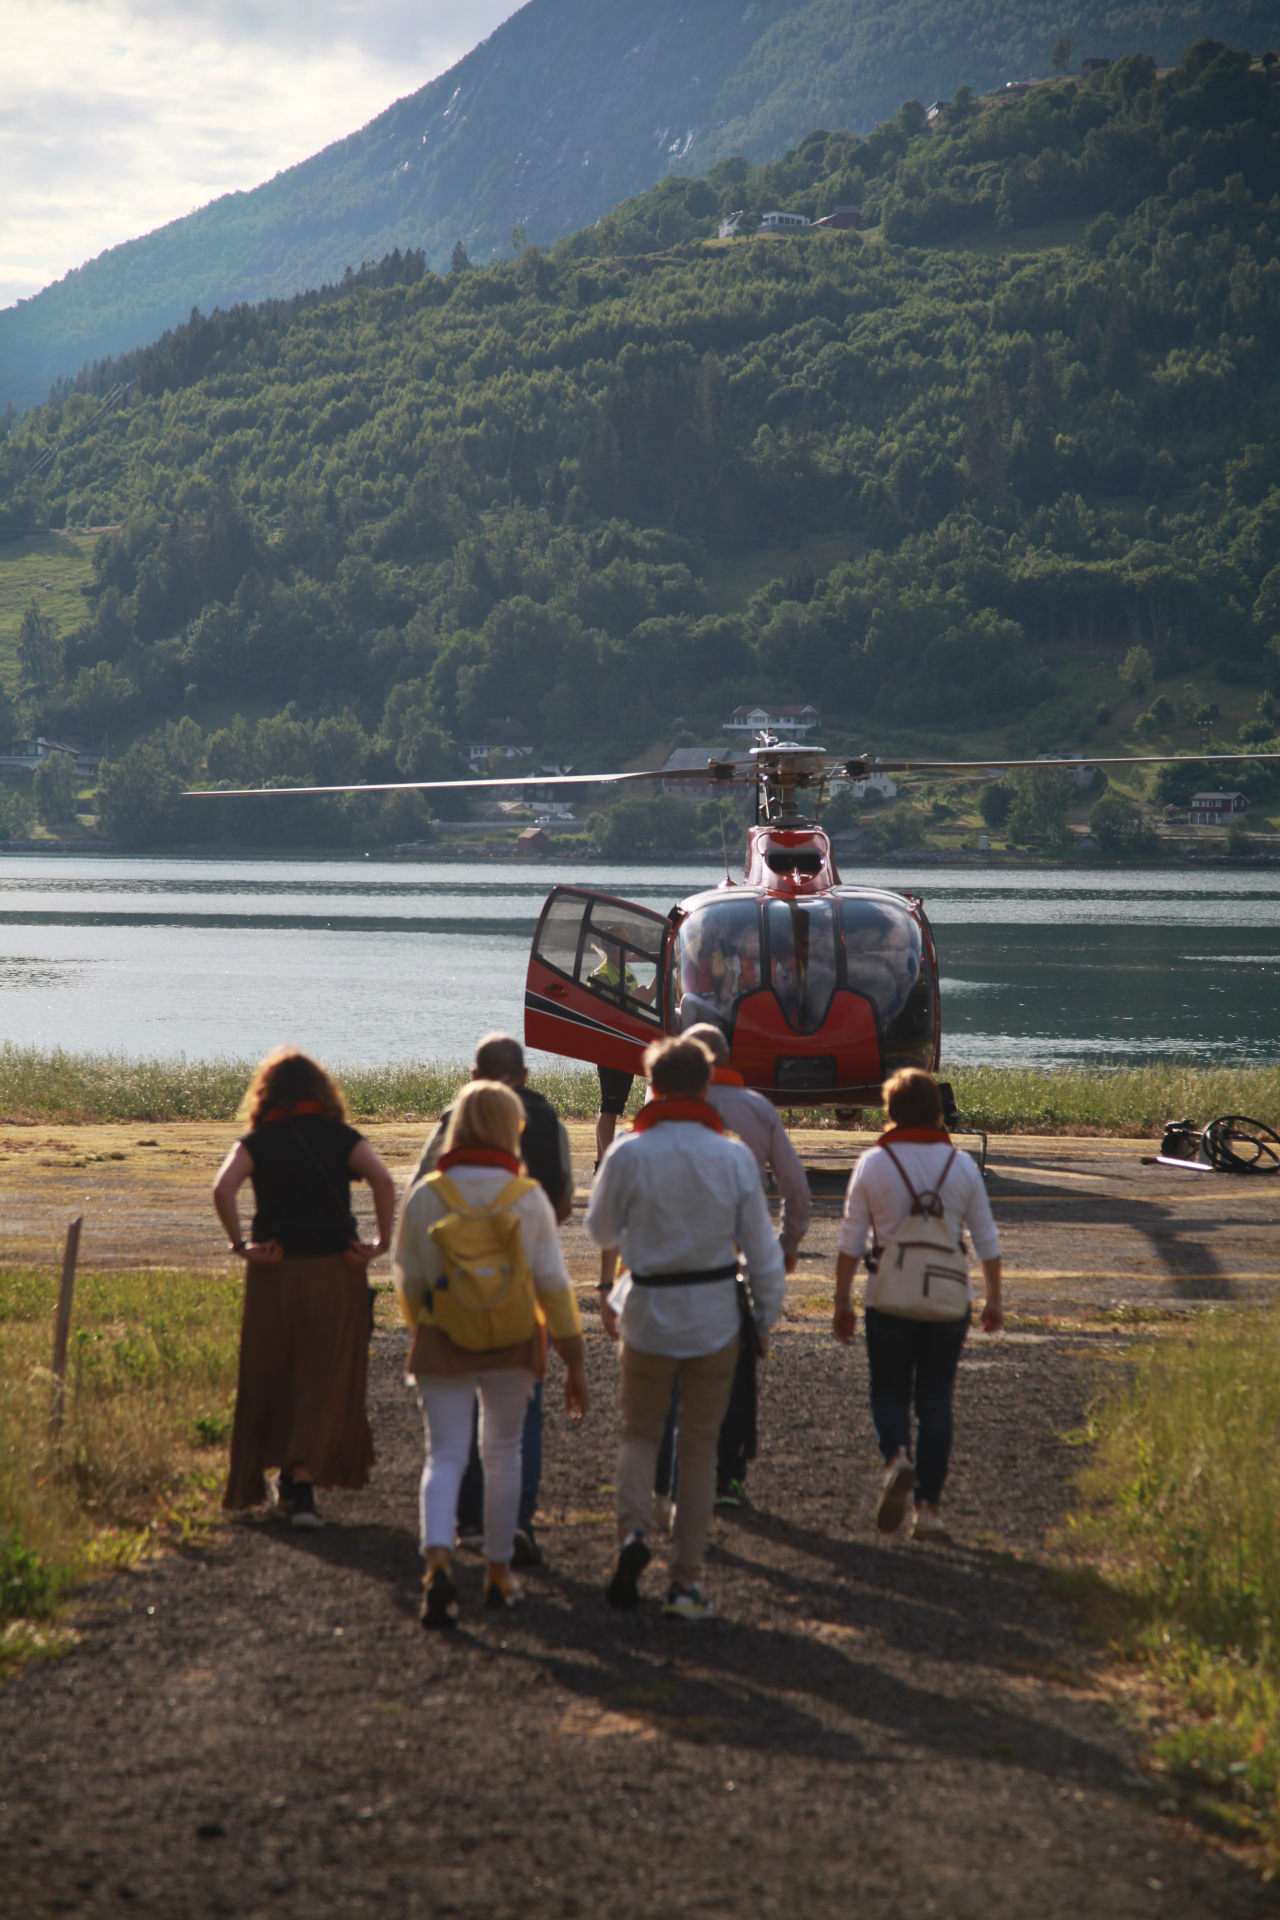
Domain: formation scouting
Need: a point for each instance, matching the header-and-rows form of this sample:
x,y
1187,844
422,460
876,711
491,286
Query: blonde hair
x,y
486,1114
678,1066
912,1099
283,1081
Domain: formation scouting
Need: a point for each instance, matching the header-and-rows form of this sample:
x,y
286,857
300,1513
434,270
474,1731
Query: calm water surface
x,y
362,960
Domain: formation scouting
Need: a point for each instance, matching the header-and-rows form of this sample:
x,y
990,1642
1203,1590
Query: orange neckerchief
x,y
915,1137
672,1107
726,1077
291,1113
478,1157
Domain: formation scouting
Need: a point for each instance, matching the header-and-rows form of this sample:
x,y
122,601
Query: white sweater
x,y
877,1201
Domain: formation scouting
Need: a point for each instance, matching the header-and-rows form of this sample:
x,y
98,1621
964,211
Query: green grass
x,y
151,1374
730,583
1132,1102
51,572
1178,1522
38,1085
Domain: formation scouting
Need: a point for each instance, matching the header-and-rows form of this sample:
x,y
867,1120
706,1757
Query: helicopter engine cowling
x,y
790,860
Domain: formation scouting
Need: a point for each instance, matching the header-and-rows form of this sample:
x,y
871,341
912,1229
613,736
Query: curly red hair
x,y
287,1079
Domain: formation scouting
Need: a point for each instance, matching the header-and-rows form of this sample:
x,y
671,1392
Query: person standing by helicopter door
x,y
913,1169
615,1083
544,1148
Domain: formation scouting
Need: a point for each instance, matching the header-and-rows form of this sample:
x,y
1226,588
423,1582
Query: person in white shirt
x,y
906,1356
678,1200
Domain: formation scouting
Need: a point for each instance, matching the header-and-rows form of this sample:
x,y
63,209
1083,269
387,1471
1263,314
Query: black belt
x,y
699,1278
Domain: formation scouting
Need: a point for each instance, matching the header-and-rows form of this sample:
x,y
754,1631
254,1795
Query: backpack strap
x,y
448,1192
935,1193
902,1172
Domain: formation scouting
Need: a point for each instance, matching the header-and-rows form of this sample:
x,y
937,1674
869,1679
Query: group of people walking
x,y
679,1202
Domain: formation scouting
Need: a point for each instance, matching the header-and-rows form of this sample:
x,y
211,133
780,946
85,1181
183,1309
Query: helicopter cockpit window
x,y
622,958
793,860
802,960
887,963
715,963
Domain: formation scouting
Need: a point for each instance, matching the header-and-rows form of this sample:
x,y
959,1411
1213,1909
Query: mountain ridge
x,y
558,115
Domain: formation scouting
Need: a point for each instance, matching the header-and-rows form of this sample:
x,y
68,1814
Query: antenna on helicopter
x,y
724,848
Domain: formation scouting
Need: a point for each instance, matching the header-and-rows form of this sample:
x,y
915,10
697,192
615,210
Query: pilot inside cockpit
x,y
719,962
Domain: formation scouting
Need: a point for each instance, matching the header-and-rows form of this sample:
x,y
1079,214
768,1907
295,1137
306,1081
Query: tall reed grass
x,y
1181,1512
55,1086
52,1085
150,1377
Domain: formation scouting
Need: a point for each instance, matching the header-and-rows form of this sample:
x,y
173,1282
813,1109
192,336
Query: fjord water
x,y
365,960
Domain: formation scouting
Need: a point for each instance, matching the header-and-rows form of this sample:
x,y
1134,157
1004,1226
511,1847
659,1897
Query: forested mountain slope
x,y
375,522
568,108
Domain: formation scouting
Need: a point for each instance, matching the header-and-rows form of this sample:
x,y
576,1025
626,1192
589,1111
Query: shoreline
x,y
447,855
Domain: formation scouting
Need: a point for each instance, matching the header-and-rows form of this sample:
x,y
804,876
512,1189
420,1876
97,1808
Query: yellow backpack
x,y
486,1298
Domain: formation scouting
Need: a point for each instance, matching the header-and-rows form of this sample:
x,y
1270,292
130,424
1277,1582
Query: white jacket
x,y
681,1198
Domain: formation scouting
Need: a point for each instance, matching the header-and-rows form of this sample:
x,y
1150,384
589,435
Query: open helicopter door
x,y
595,985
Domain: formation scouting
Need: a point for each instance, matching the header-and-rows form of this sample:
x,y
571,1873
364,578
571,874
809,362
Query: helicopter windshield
x,y
886,962
802,960
715,962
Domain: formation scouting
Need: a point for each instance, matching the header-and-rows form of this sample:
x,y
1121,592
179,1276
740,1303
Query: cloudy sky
x,y
117,117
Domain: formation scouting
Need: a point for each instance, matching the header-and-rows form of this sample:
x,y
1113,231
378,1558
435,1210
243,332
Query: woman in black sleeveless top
x,y
304,1340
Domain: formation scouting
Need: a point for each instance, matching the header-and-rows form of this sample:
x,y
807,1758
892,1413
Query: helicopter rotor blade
x,y
446,786
860,768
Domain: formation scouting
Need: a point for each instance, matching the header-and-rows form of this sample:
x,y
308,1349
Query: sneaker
x,y
525,1551
305,1517
503,1592
439,1599
280,1491
623,1591
664,1512
687,1603
895,1498
928,1525
731,1493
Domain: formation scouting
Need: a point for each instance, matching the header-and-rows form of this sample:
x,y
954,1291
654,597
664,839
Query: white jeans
x,y
446,1413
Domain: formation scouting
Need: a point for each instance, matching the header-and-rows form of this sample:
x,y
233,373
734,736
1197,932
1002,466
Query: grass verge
x,y
1175,1550
36,1085
150,1378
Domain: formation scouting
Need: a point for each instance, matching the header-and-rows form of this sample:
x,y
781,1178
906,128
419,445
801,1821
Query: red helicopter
x,y
823,989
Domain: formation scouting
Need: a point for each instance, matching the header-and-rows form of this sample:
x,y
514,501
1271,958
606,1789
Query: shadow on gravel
x,y
777,1690
386,1554
1190,1263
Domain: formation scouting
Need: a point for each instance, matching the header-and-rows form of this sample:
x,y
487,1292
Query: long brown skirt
x,y
304,1353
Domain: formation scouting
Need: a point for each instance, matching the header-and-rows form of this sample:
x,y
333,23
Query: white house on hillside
x,y
506,737
794,722
24,756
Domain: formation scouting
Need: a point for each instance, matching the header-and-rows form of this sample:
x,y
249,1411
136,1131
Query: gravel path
x,y
870,1728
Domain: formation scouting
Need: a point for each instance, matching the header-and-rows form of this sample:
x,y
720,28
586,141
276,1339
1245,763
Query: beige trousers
x,y
705,1384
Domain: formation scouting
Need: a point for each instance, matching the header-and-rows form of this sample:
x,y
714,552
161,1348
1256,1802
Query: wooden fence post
x,y
62,1326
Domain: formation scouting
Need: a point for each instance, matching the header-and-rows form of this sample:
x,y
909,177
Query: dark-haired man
x,y
544,1148
677,1199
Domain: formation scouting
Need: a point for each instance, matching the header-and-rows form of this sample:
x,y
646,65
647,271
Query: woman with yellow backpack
x,y
483,1286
